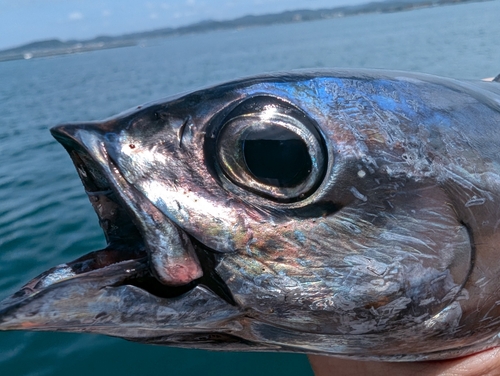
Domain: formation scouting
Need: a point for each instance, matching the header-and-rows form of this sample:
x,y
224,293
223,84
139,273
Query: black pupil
x,y
276,156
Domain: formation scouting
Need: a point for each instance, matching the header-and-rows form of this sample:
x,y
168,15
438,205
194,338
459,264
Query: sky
x,y
24,21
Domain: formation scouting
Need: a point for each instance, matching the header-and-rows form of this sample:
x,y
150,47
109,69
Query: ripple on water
x,y
45,218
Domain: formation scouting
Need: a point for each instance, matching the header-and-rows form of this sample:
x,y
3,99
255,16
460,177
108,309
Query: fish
x,y
350,213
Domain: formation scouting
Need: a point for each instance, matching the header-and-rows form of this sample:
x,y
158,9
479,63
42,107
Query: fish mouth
x,y
101,291
123,214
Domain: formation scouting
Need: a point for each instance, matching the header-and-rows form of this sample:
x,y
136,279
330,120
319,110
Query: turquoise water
x,y
45,217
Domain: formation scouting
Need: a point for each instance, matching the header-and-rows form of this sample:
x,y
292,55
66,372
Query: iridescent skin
x,y
392,256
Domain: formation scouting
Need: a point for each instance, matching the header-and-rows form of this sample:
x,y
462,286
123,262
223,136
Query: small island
x,y
57,47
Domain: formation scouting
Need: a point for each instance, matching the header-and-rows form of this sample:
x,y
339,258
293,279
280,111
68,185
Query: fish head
x,y
297,212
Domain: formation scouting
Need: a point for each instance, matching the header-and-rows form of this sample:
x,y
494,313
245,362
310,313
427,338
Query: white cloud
x,y
75,16
153,16
106,13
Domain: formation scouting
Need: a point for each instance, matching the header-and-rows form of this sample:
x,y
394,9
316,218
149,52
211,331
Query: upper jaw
x,y
124,211
129,289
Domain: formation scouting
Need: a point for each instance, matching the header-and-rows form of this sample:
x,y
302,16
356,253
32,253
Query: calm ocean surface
x,y
45,217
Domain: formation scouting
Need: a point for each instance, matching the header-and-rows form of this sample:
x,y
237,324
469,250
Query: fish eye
x,y
272,150
276,156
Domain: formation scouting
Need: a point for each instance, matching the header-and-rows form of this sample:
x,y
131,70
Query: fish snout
x,y
125,215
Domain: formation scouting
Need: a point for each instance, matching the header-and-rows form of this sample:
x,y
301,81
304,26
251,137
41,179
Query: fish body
x,y
349,213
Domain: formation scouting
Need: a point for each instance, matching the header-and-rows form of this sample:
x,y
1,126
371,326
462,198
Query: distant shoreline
x,y
54,47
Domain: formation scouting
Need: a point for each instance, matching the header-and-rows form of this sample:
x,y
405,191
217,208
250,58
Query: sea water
x,y
45,217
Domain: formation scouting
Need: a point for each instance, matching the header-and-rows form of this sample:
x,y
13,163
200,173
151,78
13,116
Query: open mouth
x,y
124,215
